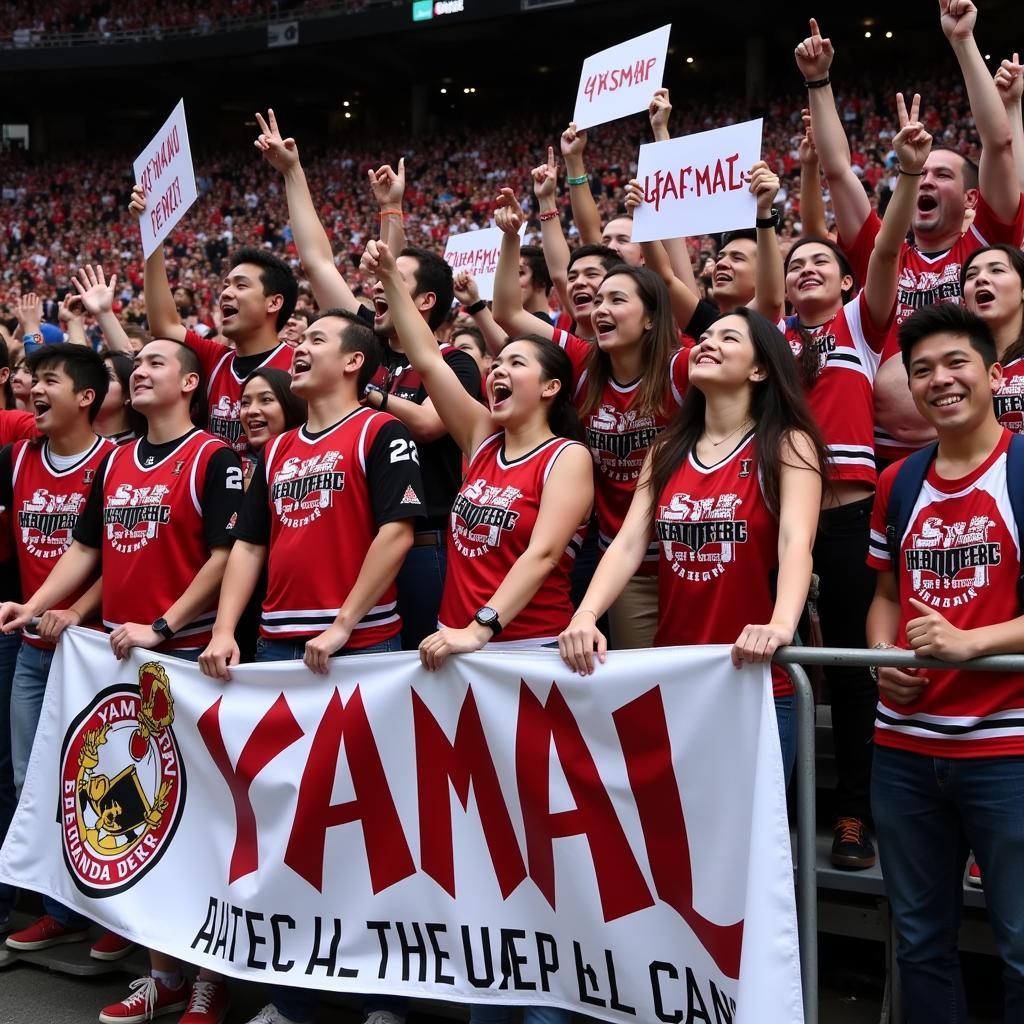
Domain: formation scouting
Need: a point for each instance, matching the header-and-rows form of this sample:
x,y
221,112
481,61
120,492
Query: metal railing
x,y
796,659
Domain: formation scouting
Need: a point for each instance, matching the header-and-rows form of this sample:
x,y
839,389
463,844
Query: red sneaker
x,y
44,933
149,998
974,875
111,946
208,1003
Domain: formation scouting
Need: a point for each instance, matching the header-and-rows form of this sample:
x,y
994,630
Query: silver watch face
x,y
486,616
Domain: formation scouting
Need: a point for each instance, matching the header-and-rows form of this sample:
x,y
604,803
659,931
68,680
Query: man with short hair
x,y
535,281
948,768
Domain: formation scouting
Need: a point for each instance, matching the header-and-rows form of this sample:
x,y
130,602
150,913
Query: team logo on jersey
x,y
88,476
918,289
1009,404
949,562
745,465
122,784
410,497
303,488
46,521
824,346
224,420
480,514
133,516
619,439
698,535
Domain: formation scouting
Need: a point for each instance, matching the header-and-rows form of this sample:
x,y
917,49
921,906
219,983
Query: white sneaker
x,y
270,1014
383,1017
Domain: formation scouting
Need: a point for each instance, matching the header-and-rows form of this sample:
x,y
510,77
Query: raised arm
x,y
388,187
584,209
556,249
770,278
161,312
330,289
508,299
812,199
849,200
69,314
1009,80
656,258
912,145
464,417
468,294
997,175
96,296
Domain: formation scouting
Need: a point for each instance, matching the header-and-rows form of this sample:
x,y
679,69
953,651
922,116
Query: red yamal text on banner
x,y
167,204
476,261
161,159
708,180
619,78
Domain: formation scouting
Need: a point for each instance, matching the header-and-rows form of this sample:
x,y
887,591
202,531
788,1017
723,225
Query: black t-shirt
x,y
703,317
386,482
244,365
220,499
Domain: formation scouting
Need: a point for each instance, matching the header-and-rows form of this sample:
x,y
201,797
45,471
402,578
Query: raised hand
x,y
765,186
378,260
633,197
808,152
70,308
95,293
573,141
545,177
282,154
137,203
814,55
912,143
466,290
508,214
29,313
1009,79
659,111
388,185
957,18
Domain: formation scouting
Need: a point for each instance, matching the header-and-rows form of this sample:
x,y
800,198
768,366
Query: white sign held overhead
x,y
698,184
164,170
476,252
620,81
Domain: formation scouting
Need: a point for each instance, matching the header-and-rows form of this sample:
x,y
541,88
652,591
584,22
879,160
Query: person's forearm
x,y
584,209
418,341
87,607
201,593
679,259
76,333
72,571
1014,116
1000,638
794,580
241,575
987,108
556,249
161,312
380,566
883,621
113,332
882,278
422,423
812,202
618,565
392,227
494,336
683,300
508,299
523,581
770,277
829,134
313,246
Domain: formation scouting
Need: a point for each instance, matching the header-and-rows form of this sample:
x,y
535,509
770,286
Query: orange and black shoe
x,y
852,848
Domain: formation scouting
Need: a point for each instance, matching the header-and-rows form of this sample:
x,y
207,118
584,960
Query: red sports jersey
x,y
1009,399
718,547
327,494
46,505
619,438
14,425
491,523
925,279
224,387
961,556
842,397
154,541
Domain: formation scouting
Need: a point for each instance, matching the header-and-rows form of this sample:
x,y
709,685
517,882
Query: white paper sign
x,y
620,81
500,832
698,184
476,252
164,170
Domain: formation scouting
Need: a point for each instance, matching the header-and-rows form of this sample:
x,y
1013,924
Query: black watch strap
x,y
771,221
161,627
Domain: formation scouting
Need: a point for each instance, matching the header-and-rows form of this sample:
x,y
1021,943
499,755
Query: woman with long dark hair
x,y
744,458
117,420
528,489
992,283
268,407
626,386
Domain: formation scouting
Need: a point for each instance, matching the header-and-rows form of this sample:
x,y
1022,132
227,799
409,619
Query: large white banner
x,y
500,830
698,184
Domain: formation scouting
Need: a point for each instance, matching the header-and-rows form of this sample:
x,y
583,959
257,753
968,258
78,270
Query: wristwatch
x,y
161,627
771,221
488,617
880,646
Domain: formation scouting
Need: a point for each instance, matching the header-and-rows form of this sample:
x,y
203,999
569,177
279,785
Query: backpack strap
x,y
905,488
1015,490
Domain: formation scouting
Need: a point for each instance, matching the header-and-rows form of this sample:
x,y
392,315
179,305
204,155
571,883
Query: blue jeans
x,y
928,813
298,1004
499,1013
27,691
785,715
420,582
9,645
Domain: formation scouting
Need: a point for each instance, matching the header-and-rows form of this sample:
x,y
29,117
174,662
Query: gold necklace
x,y
715,444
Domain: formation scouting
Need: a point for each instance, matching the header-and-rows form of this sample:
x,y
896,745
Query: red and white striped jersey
x,y
491,523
